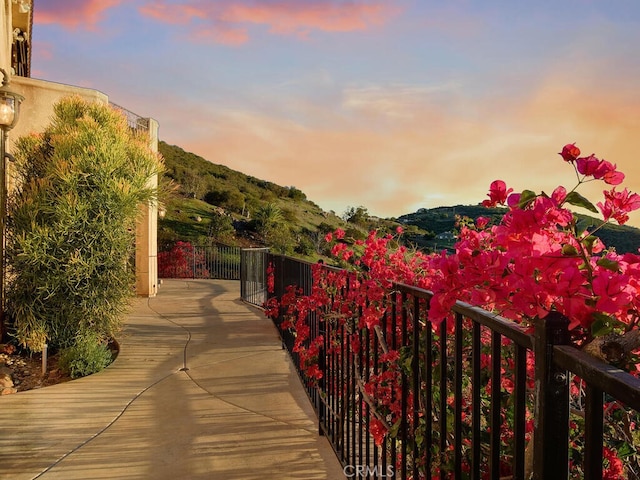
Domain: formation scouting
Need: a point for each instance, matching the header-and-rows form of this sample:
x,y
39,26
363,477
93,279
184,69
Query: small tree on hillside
x,y
268,218
357,216
71,226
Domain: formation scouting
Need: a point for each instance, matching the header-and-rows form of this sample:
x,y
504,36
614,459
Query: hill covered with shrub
x,y
210,203
207,203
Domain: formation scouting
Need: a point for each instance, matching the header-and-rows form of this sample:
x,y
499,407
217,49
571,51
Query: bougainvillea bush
x,y
182,261
535,261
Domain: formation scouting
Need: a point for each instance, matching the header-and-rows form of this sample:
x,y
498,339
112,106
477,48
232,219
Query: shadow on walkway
x,y
201,389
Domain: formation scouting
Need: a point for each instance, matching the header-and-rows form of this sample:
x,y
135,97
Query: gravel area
x,y
20,372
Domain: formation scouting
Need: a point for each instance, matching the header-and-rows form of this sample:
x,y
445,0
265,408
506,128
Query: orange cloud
x,y
374,150
225,22
74,13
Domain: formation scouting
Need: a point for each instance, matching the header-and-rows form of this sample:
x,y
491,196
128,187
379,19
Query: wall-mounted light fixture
x,y
9,113
9,104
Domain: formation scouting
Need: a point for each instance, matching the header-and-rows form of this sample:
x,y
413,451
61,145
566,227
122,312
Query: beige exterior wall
x,y
40,96
5,40
147,234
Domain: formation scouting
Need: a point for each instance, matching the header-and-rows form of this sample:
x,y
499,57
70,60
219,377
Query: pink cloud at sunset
x,y
225,22
172,14
73,14
289,17
45,49
393,105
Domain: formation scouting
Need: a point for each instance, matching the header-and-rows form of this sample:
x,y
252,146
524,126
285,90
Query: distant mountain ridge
x,y
440,220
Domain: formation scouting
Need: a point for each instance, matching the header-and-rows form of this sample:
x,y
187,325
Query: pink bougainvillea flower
x,y
497,194
513,200
481,222
591,166
559,195
314,372
613,291
615,467
570,152
613,177
617,205
587,165
378,431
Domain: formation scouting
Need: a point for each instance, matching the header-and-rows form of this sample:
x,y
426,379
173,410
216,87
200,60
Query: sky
x,y
390,105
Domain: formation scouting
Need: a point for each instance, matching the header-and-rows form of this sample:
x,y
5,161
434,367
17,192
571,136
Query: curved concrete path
x,y
201,389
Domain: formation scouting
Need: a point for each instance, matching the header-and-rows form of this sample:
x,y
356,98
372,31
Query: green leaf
x,y
393,430
588,242
625,450
608,264
574,198
526,197
569,250
601,325
605,324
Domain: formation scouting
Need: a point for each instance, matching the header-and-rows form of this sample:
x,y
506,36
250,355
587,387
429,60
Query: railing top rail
x,y
608,378
502,325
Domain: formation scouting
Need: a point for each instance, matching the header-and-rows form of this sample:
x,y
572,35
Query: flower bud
x,y
570,152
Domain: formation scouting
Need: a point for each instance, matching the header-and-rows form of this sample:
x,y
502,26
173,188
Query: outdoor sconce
x,y
9,105
162,212
9,114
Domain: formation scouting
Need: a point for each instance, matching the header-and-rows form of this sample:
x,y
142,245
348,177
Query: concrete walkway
x,y
201,389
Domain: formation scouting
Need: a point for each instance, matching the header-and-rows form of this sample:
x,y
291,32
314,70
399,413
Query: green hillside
x,y
210,203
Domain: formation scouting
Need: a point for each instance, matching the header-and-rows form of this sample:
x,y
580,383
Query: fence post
x,y
193,261
551,415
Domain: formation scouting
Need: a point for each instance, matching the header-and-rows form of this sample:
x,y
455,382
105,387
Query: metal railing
x,y
135,121
253,280
450,372
192,261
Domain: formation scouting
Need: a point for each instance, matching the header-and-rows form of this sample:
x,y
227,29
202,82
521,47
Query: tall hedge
x,y
71,225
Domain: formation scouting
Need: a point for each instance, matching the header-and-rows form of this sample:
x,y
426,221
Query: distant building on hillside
x,y
447,236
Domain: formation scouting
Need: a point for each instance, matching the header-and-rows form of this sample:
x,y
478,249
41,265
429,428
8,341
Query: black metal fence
x,y
253,279
191,261
471,429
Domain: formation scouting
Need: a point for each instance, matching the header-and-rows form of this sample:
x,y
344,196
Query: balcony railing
x,y
451,373
135,121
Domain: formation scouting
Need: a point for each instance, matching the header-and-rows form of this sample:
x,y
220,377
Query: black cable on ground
x,y
130,402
